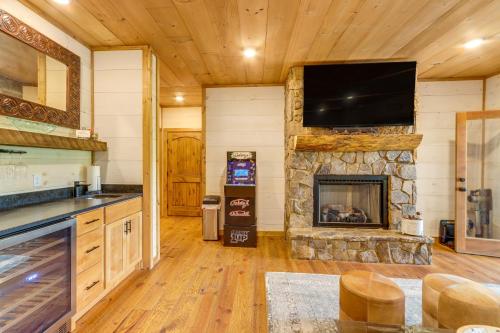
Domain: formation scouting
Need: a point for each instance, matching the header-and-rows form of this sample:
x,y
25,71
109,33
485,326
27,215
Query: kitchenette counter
x,y
19,219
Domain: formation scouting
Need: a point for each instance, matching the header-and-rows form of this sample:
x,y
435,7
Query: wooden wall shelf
x,y
357,142
29,139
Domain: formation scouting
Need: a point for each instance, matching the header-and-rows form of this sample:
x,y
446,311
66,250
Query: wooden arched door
x,y
184,172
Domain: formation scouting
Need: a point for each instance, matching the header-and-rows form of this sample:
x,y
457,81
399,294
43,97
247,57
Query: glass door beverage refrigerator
x,y
37,278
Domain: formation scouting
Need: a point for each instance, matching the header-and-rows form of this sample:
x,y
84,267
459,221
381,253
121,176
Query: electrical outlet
x,y
37,180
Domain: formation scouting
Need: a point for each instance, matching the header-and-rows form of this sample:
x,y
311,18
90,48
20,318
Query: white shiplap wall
x,y
249,119
118,114
493,93
438,103
181,117
493,158
57,168
25,14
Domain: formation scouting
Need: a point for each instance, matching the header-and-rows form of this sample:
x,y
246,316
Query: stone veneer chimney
x,y
301,167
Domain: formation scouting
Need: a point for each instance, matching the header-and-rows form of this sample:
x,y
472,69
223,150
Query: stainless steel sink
x,y
103,196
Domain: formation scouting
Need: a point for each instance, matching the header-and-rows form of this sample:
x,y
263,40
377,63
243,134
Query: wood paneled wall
x,y
118,93
438,103
58,168
249,119
182,117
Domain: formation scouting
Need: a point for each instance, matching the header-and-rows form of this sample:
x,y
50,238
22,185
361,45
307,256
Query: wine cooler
x,y
37,279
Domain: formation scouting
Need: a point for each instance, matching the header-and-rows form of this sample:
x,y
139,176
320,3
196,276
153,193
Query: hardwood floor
x,y
203,287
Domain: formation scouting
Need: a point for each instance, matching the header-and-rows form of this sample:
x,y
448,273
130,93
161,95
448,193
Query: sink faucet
x,y
80,188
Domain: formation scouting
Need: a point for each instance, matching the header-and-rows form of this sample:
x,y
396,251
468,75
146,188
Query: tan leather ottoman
x,y
468,304
432,286
371,297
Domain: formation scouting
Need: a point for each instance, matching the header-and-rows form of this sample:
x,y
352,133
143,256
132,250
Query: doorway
x,y
182,151
477,227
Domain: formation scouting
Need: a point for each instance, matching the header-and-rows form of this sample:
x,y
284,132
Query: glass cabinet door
x,y
35,279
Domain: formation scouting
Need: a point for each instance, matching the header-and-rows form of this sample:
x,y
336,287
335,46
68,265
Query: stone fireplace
x,y
363,194
397,167
350,201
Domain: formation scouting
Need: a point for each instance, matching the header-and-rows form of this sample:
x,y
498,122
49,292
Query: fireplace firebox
x,y
354,201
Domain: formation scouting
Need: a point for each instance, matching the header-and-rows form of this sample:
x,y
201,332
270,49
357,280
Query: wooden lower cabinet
x,y
107,251
90,250
134,241
90,284
123,247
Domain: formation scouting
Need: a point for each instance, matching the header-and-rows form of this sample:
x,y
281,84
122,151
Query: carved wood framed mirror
x,y
39,79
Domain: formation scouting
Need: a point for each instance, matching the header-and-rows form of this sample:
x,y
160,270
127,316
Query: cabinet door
x,y
134,239
115,255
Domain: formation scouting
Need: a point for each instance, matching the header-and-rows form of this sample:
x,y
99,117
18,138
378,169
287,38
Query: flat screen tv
x,y
359,95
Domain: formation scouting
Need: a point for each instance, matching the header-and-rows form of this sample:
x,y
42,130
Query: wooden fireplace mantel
x,y
357,142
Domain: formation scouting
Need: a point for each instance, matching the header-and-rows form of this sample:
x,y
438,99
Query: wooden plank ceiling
x,y
200,42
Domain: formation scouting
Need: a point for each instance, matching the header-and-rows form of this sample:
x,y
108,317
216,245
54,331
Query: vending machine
x,y
240,222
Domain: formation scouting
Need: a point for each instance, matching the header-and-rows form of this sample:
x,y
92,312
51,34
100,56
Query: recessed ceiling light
x,y
473,43
179,98
63,2
249,53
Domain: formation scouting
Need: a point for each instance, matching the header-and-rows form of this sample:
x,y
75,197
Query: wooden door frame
x,y
464,244
164,165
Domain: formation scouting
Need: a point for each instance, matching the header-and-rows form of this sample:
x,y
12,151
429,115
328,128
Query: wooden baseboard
x,y
262,233
270,233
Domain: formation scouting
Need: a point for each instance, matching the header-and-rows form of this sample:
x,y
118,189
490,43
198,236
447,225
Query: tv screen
x,y
359,95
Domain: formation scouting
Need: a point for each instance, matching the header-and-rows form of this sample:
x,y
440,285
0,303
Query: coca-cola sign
x,y
239,213
242,203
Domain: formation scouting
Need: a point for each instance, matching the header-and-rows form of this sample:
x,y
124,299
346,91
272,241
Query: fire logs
x,y
339,213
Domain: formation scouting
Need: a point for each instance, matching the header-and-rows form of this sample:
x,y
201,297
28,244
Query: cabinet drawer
x,y
89,284
123,209
89,221
89,249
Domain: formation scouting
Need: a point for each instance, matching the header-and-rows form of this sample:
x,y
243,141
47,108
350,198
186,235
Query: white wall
x,y
118,115
181,117
493,93
23,13
56,74
492,166
58,168
438,103
249,119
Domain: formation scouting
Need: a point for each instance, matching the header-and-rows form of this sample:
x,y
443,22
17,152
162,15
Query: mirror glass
x,y
31,75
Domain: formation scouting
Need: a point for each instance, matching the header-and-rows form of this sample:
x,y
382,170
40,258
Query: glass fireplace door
x,y
477,227
350,201
37,278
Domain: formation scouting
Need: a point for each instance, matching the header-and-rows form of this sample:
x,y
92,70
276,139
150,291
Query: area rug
x,y
299,302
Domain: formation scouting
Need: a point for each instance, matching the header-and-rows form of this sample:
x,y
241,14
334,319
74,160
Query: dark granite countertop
x,y
18,219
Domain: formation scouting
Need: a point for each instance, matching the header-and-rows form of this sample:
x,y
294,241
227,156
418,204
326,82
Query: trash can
x,y
211,212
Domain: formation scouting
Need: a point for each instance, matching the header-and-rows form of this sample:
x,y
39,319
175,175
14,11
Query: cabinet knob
x,y
462,189
461,179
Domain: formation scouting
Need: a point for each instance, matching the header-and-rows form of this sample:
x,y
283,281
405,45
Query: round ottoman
x,y
371,297
468,304
432,286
